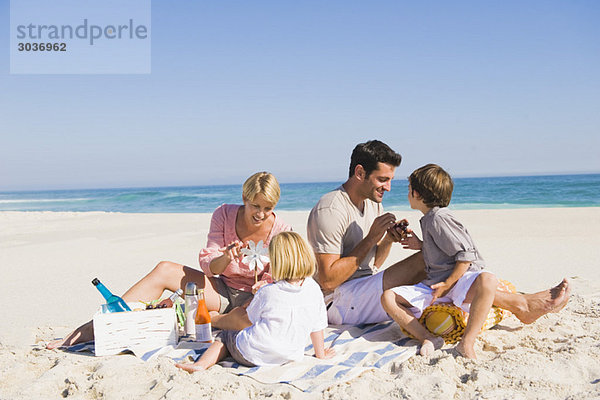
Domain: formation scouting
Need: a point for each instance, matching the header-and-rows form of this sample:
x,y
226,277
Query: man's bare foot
x,y
540,303
563,289
430,345
83,334
465,350
191,368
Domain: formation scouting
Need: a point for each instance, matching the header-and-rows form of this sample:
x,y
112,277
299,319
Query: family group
x,y
335,278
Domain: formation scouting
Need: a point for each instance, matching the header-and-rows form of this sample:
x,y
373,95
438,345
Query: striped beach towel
x,y
358,349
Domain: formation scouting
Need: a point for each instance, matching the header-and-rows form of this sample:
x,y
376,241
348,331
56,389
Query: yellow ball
x,y
440,323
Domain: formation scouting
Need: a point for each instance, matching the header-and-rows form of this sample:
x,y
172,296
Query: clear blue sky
x,y
482,88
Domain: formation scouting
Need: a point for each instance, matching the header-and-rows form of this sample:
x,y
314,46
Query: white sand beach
x,y
49,259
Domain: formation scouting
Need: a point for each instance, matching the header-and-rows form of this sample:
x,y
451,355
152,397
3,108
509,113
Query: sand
x,y
48,260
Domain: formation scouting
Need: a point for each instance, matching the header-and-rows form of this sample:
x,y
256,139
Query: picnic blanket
x,y
358,348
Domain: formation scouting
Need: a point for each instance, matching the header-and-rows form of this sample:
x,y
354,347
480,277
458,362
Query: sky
x,y
481,88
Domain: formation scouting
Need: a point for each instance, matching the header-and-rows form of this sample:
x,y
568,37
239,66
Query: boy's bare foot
x,y
467,351
540,303
430,345
191,368
83,334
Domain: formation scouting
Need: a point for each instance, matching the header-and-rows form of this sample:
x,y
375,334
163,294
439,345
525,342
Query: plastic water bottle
x,y
113,303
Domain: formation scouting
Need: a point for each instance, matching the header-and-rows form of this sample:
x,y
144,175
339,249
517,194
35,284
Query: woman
x,y
228,283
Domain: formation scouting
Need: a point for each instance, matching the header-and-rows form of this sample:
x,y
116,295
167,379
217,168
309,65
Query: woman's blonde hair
x,y
291,257
262,183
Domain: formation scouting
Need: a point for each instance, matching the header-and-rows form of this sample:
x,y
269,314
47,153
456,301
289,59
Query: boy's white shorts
x,y
420,295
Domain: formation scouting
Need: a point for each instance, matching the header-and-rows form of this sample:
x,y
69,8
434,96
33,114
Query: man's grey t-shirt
x,y
446,241
336,226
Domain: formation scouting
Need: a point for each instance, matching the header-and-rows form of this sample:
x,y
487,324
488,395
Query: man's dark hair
x,y
370,153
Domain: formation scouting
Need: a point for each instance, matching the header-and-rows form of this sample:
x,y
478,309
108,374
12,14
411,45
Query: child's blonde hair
x,y
262,183
291,257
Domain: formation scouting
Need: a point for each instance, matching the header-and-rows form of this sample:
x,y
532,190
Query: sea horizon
x,y
395,180
494,192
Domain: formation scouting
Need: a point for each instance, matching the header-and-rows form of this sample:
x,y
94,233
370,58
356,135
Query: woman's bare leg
x,y
83,334
172,276
166,275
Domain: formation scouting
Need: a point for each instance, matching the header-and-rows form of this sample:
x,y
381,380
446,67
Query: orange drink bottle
x,y
203,328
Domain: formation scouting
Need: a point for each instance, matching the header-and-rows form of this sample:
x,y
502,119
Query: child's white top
x,y
283,316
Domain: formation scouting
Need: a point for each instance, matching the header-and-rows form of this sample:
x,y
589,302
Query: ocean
x,y
469,193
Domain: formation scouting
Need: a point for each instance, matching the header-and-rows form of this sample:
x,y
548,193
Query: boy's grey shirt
x,y
446,241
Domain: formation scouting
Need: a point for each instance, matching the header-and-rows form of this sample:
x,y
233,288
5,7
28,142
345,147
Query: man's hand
x,y
380,225
333,270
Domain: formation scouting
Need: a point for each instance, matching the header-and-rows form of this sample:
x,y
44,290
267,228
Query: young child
x,y
454,266
281,316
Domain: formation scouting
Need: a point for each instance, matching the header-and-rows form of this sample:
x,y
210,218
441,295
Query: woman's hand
x,y
411,241
233,250
230,252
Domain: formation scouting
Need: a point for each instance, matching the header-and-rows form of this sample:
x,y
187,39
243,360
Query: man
x,y
352,237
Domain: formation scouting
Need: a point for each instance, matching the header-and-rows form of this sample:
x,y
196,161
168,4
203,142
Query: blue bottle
x,y
113,303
